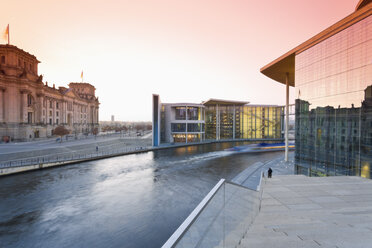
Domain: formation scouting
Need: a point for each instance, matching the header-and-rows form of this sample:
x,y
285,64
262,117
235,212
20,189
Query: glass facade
x,y
244,122
194,127
180,113
178,127
214,121
210,122
193,113
181,138
334,104
261,122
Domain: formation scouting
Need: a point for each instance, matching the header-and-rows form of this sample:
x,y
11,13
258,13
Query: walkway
x,y
32,150
250,177
299,211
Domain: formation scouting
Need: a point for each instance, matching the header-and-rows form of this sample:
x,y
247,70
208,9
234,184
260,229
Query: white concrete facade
x,y
176,128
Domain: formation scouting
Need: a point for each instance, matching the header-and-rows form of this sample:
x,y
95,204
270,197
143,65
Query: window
x,y
3,59
193,127
19,63
29,117
50,121
50,113
43,111
50,104
29,100
180,113
24,65
69,106
57,121
57,105
192,113
178,127
30,67
57,113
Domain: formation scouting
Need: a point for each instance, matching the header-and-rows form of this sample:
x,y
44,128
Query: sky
x,y
185,51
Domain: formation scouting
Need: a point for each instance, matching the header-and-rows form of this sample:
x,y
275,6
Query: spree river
x,y
129,201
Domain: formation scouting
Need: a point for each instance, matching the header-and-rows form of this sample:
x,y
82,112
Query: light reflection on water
x,y
129,201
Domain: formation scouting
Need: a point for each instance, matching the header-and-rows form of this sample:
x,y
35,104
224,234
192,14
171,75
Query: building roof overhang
x,y
362,3
278,68
223,102
184,105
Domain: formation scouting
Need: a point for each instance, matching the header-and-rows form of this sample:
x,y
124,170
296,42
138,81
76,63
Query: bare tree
x,y
61,131
95,132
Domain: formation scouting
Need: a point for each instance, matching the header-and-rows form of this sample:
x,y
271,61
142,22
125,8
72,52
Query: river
x,y
129,201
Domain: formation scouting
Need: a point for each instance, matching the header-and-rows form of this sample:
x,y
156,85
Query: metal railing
x,y
221,219
69,156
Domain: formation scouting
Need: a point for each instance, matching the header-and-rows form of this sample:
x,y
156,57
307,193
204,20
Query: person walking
x,y
269,173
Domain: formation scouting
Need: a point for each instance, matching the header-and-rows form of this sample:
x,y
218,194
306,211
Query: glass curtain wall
x,y
238,126
193,113
261,122
210,122
251,122
180,113
334,104
226,122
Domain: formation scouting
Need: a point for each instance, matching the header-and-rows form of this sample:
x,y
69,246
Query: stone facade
x,y
29,108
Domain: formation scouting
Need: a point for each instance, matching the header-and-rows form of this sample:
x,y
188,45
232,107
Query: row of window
x,y
57,114
83,109
29,66
191,127
192,113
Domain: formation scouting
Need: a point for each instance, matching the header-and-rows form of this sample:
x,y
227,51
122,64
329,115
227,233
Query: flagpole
x,y
8,35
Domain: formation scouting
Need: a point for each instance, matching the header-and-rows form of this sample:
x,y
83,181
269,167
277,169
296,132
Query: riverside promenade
x,y
300,211
26,156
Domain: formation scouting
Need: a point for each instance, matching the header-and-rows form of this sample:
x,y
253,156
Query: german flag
x,y
6,34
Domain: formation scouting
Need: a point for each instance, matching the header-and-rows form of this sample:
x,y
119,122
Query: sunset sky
x,y
186,51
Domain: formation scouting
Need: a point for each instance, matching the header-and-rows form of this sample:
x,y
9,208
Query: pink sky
x,y
186,51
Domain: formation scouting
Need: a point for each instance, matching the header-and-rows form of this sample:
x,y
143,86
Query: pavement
x,y
250,177
85,145
300,211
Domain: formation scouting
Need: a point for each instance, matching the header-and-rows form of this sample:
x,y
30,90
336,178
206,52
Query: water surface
x,y
129,201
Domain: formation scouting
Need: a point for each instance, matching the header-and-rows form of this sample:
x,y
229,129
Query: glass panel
x,y
210,122
225,219
193,113
193,127
180,113
334,105
178,127
226,122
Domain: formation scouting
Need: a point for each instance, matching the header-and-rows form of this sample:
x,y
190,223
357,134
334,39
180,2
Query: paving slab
x,y
322,212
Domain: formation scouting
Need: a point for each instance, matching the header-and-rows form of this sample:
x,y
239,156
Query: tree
x,y
95,132
61,131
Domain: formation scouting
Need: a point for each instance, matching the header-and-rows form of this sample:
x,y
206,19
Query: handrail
x,y
188,222
66,157
177,235
259,184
